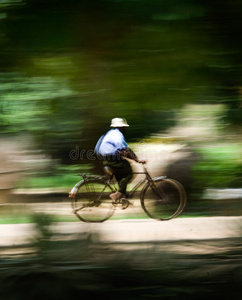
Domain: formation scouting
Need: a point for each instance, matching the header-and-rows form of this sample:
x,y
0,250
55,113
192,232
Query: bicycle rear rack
x,y
93,177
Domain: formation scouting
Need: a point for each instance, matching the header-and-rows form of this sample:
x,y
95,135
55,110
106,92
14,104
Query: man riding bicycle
x,y
161,198
114,150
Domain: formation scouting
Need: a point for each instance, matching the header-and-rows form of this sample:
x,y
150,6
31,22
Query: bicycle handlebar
x,y
143,165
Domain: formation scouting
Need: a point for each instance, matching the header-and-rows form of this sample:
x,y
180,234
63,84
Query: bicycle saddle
x,y
108,170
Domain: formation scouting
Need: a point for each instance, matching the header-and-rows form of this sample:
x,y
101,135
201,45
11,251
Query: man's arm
x,y
127,152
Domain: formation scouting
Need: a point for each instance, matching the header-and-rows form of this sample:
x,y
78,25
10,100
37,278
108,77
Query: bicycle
x,y
161,198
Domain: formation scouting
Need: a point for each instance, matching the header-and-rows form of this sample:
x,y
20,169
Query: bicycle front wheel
x,y
92,202
163,199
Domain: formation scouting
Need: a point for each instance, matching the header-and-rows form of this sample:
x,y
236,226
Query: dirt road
x,y
130,231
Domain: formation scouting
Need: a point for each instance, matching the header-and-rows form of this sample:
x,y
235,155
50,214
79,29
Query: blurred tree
x,y
68,67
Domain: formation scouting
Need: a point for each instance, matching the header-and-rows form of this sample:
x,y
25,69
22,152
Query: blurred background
x,y
172,68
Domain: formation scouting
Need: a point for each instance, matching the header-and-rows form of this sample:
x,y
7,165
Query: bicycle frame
x,y
161,198
147,179
130,193
140,183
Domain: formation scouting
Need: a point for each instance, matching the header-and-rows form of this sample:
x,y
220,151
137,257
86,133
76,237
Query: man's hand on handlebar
x,y
141,160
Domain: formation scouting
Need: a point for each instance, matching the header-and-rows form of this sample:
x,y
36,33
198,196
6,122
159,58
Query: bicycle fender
x,y
159,178
76,187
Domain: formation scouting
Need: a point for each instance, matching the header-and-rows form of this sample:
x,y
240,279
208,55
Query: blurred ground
x,y
131,231
185,258
192,258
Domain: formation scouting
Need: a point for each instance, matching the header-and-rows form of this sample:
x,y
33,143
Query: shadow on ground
x,y
50,267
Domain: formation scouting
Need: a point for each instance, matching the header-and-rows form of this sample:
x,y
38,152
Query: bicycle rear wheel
x,y
92,202
163,199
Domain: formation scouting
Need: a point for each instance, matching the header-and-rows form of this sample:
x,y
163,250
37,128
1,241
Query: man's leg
x,y
123,174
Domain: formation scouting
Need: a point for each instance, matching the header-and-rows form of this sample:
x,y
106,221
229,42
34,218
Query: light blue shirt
x,y
112,142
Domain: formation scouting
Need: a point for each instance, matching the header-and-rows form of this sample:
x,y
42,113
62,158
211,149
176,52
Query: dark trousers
x,y
122,172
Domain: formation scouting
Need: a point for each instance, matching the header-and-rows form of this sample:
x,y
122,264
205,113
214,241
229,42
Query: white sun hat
x,y
118,122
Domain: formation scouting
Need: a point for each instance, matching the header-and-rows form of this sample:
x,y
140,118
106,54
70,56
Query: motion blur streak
x,y
173,70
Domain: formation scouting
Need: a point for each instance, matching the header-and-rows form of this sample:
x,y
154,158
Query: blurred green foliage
x,y
60,177
220,166
68,67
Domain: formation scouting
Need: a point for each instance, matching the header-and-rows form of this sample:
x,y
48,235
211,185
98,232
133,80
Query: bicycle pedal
x,y
125,203
116,202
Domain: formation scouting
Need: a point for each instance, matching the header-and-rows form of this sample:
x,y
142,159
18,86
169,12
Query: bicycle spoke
x,y
92,203
163,199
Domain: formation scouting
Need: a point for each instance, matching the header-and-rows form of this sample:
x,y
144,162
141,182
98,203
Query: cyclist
x,y
114,150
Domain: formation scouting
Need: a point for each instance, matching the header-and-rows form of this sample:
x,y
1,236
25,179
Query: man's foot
x,y
116,196
125,203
